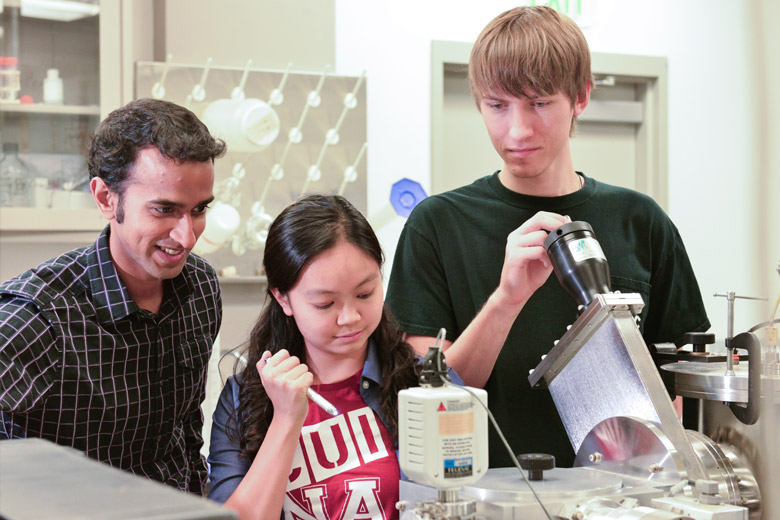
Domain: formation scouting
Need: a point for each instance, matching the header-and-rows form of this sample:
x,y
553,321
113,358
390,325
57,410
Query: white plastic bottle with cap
x,y
52,88
246,125
222,220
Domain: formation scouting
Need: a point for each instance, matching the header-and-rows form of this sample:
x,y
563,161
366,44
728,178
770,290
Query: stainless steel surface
x,y
448,495
459,509
601,368
752,451
39,479
507,485
638,449
600,493
635,448
736,484
709,381
605,509
756,446
771,363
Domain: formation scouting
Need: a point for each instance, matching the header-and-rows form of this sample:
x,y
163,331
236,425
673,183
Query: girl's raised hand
x,y
285,380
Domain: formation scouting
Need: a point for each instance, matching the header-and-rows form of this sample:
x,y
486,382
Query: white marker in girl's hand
x,y
317,399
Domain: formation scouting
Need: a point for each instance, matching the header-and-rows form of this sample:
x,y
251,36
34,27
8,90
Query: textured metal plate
x,y
602,368
601,381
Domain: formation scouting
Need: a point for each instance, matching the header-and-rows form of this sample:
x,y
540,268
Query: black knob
x,y
699,340
536,464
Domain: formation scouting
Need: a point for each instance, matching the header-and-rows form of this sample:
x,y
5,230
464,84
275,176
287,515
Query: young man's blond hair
x,y
529,52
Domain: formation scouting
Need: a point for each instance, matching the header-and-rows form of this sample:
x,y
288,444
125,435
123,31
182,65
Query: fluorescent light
x,y
60,10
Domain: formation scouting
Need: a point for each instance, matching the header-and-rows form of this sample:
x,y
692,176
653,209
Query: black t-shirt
x,y
449,261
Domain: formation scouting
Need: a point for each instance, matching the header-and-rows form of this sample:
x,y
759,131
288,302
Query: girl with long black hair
x,y
272,450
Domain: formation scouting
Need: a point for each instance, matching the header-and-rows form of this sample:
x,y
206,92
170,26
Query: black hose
x,y
764,324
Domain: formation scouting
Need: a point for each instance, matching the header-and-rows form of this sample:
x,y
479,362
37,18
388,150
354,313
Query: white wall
x,y
713,176
270,33
714,185
768,103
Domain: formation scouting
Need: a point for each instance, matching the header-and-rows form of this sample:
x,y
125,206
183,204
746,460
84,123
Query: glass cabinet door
x,y
51,50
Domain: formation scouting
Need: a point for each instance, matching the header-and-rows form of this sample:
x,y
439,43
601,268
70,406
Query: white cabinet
x,y
52,139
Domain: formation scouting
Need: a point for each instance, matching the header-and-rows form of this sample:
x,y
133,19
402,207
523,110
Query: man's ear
x,y
283,300
105,199
582,100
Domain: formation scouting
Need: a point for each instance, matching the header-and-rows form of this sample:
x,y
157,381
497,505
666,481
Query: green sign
x,y
572,8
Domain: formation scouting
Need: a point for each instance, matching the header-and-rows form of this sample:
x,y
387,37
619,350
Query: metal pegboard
x,y
314,102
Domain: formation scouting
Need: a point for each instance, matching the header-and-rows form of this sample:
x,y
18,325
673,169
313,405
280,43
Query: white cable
x,y
503,439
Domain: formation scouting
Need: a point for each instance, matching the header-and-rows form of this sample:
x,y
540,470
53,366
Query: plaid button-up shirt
x,y
82,365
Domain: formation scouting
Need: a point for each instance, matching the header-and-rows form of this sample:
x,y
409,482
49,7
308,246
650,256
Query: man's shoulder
x,y
199,268
17,310
24,299
611,194
480,188
455,200
641,217
51,278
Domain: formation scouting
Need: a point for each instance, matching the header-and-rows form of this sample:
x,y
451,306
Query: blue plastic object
x,y
405,195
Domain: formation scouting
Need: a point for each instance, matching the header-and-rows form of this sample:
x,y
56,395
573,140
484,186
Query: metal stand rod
x,y
730,297
448,495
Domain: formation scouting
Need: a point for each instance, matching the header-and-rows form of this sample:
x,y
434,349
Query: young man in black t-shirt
x,y
472,260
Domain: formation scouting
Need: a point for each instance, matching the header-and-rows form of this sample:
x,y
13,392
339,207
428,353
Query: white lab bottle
x,y
52,88
246,125
222,220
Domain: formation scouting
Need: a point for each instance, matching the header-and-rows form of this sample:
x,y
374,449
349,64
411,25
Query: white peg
x,y
158,89
238,92
199,90
277,94
350,172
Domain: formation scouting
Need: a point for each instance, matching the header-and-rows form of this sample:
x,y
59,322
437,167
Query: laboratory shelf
x,y
47,219
42,108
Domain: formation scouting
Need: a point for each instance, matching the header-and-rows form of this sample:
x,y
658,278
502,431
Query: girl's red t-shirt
x,y
345,467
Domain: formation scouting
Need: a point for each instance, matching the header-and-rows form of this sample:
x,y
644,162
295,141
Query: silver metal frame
x,y
602,368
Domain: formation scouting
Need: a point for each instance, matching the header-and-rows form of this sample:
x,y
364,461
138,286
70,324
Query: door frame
x,y
649,113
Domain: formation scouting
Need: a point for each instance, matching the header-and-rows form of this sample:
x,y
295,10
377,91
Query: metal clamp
x,y
749,341
730,297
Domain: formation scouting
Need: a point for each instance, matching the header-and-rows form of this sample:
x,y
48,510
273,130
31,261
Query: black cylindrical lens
x,y
578,261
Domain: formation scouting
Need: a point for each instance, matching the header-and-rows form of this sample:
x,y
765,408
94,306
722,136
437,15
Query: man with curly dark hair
x,y
105,348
